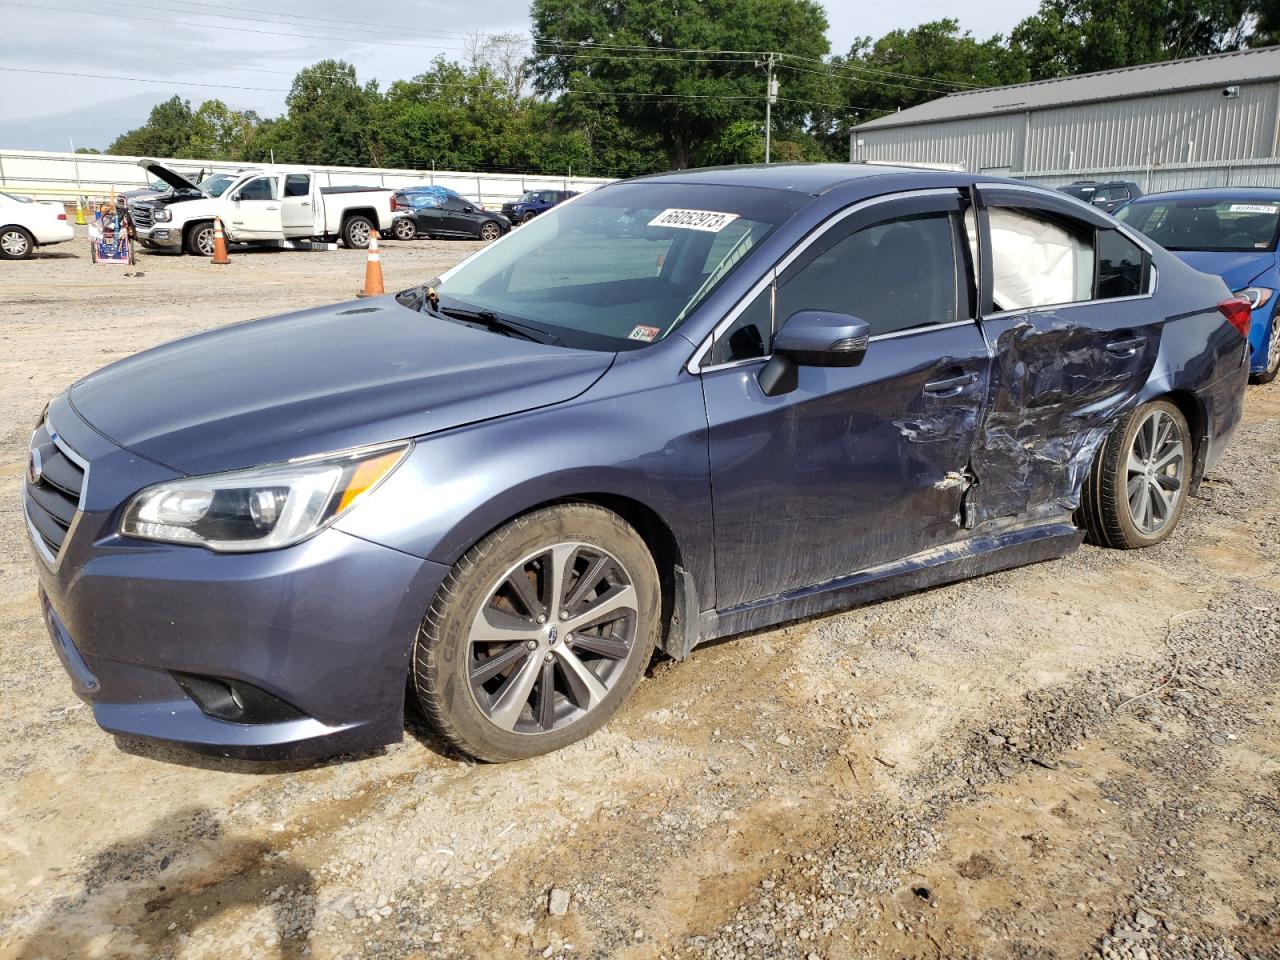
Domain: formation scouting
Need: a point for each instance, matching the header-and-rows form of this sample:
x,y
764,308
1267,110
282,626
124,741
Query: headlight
x,y
161,214
263,508
1257,296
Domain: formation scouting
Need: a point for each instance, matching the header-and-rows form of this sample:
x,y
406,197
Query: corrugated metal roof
x,y
1222,69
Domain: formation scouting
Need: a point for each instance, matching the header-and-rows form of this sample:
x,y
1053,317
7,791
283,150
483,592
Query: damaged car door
x,y
837,468
1067,308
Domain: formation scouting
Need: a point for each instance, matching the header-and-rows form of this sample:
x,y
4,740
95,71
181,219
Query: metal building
x,y
1205,121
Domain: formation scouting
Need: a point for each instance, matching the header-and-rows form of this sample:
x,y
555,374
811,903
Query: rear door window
x,y
297,185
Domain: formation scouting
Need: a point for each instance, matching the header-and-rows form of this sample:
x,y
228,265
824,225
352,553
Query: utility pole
x,y
771,97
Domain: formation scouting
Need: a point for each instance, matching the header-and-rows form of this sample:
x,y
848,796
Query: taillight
x,y
394,208
62,216
1238,312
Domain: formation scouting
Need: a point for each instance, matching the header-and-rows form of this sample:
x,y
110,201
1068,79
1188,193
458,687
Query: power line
x,y
886,73
881,83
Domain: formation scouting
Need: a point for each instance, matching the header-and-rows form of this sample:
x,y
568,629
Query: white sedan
x,y
26,224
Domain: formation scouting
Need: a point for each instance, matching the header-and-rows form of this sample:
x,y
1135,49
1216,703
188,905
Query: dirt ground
x,y
1074,759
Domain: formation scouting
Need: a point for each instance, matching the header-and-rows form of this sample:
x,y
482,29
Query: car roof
x,y
811,178
1218,193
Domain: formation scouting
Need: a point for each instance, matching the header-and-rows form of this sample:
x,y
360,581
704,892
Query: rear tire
x,y
404,229
16,243
528,216
1137,490
1273,352
356,232
538,633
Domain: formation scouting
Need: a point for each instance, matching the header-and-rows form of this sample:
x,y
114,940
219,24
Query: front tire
x,y
538,633
528,216
16,243
490,232
200,240
1137,490
356,232
1273,352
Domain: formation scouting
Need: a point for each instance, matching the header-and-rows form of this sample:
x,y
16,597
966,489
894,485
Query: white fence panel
x,y
65,176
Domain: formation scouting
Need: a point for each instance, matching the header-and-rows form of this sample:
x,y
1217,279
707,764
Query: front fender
x,y
648,446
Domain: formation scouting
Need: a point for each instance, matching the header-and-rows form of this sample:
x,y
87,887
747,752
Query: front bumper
x,y
325,628
58,233
164,235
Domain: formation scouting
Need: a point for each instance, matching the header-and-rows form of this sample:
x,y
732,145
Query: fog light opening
x,y
235,701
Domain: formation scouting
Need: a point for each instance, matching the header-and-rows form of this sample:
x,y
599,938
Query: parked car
x,y
534,202
26,224
456,218
259,206
1106,195
499,486
411,199
1230,232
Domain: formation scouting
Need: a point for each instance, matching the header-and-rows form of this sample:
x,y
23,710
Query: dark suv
x,y
1106,195
534,202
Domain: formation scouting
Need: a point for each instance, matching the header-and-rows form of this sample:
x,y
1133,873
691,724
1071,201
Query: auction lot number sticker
x,y
709,221
1252,208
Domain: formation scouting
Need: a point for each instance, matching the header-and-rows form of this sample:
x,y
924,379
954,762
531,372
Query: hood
x,y
324,379
1237,269
175,180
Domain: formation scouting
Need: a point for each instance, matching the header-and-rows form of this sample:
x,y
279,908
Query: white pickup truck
x,y
267,205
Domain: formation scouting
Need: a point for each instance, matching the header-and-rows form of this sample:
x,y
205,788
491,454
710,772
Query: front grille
x,y
52,489
142,216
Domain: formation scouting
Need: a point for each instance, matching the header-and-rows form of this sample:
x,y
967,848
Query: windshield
x,y
216,185
1239,225
622,266
529,196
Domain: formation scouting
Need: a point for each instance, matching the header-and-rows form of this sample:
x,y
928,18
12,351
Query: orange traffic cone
x,y
373,271
219,243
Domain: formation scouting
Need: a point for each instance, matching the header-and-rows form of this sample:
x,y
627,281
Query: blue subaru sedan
x,y
1231,232
669,410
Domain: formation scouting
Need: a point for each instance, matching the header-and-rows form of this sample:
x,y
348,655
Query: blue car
x,y
674,409
1231,232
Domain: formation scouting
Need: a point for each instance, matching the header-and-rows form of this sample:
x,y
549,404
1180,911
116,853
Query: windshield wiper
x,y
491,321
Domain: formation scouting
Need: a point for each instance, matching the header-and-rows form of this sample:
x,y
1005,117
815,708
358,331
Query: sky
x,y
169,47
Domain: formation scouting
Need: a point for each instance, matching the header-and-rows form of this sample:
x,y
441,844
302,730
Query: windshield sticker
x,y
1252,208
647,334
709,221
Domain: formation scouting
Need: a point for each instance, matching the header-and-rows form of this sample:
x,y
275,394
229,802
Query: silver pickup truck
x,y
264,206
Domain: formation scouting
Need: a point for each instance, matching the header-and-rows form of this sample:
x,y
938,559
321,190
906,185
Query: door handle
x,y
273,208
1126,348
305,203
950,386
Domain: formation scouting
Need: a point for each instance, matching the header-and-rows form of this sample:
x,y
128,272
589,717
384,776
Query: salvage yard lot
x,y
1077,756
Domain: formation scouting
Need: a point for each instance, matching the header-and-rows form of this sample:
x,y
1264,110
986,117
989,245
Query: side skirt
x,y
968,558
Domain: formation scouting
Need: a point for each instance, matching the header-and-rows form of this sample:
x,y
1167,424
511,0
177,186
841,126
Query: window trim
x,y
694,363
985,252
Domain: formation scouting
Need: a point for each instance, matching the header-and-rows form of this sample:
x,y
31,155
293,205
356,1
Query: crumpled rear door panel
x,y
1061,376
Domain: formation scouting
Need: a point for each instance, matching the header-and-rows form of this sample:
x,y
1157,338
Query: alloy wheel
x,y
204,241
15,244
358,233
489,232
405,230
552,638
1273,346
1156,470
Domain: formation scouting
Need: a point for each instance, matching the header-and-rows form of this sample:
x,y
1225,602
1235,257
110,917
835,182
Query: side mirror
x,y
1099,201
813,338
235,197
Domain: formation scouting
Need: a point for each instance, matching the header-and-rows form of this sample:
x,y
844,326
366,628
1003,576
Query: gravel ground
x,y
1075,759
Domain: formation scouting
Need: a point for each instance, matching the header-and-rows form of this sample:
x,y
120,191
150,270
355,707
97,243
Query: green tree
x,y
167,132
329,118
908,67
221,133
681,101
1067,37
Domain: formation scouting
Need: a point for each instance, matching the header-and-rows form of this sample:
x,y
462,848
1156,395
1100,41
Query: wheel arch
x,y
192,226
1193,409
679,592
